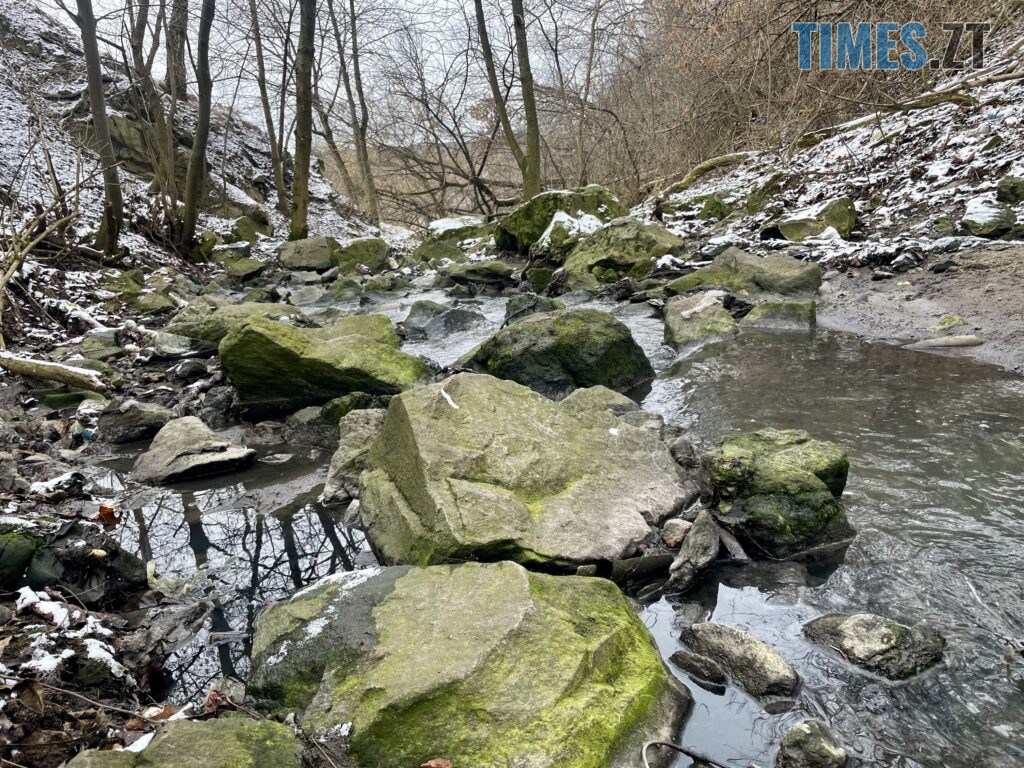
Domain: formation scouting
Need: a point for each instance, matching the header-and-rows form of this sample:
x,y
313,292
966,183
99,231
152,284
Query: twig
x,y
83,697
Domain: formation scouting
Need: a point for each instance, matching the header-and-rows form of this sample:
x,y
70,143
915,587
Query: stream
x,y
936,492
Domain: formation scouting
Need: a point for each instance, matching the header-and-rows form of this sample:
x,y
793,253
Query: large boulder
x,y
778,491
751,275
126,421
234,741
624,248
482,276
985,217
484,665
357,431
691,320
556,352
210,320
475,467
753,664
280,368
838,214
878,644
809,744
186,448
782,315
322,253
526,224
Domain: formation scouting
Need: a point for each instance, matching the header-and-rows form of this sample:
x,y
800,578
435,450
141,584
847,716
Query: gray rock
x,y
455,320
127,421
420,314
809,744
753,664
306,295
698,550
523,304
878,644
186,448
674,531
700,667
358,429
694,319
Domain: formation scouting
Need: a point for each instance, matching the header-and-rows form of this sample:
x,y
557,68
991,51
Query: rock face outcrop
x,y
485,665
751,275
778,490
753,664
278,368
479,468
186,448
623,248
235,741
878,644
557,352
526,224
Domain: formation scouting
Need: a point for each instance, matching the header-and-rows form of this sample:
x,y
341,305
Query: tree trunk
x,y
492,80
177,33
339,160
113,207
531,166
360,129
197,160
303,119
276,160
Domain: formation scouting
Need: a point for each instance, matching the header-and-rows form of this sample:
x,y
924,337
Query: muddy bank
x,y
980,286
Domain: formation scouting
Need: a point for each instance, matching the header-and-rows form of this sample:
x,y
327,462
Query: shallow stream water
x,y
936,492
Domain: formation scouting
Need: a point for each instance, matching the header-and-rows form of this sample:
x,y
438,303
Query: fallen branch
x,y
78,378
705,168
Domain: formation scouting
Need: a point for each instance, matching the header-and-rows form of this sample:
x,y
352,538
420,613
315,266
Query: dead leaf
x,y
215,702
30,693
437,762
106,514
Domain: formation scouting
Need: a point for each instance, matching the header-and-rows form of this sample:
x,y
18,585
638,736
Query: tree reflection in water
x,y
238,547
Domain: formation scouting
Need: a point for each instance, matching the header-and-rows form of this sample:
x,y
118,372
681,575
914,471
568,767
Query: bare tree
x,y
273,138
197,160
304,57
176,81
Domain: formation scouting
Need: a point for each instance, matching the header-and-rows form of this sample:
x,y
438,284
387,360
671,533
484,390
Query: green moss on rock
x,y
695,319
745,273
524,226
624,248
210,320
789,315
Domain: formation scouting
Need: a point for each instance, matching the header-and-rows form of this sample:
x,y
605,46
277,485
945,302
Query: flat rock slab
x,y
486,665
878,644
480,468
753,664
186,448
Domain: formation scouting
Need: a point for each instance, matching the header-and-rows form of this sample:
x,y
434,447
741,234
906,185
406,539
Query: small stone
x,y
753,664
809,744
698,551
674,531
700,666
878,644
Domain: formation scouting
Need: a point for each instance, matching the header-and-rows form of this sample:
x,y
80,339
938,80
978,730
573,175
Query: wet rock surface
x,y
753,664
878,644
186,448
809,744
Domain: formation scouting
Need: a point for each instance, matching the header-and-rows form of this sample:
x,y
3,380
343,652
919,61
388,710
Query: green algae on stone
x,y
445,660
524,226
279,368
232,741
623,248
839,214
556,352
783,315
210,320
479,468
17,547
779,490
747,274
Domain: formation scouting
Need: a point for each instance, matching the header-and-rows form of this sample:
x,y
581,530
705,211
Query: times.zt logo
x,y
885,45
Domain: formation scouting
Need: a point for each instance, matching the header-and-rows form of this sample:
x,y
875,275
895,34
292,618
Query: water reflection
x,y
241,546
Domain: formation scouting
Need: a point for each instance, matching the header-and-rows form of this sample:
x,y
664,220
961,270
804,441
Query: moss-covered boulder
x,y
985,217
444,245
524,226
839,214
1010,190
246,269
250,227
485,665
878,644
779,490
809,744
186,448
782,315
16,550
691,320
322,253
234,741
369,252
278,368
481,276
713,206
479,468
747,274
624,248
210,320
556,352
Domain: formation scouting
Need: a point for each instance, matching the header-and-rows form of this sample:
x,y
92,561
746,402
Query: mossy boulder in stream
x,y
322,253
526,224
746,274
878,644
210,320
838,214
479,468
556,352
485,665
624,248
778,490
691,320
234,741
278,368
782,315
